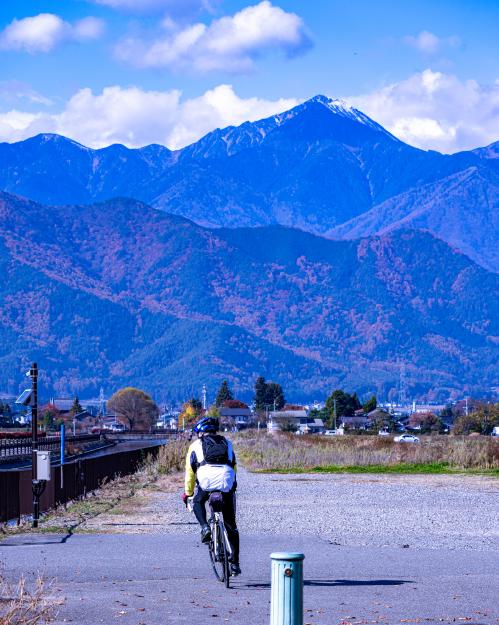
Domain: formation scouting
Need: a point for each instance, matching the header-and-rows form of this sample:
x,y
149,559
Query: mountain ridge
x,y
318,166
437,207
150,295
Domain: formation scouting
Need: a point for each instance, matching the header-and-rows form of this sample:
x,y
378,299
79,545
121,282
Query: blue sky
x,y
167,71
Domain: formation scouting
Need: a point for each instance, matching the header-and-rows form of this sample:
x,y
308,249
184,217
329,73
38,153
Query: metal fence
x,y
79,478
10,449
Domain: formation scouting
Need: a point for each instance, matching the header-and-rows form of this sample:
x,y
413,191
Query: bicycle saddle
x,y
216,501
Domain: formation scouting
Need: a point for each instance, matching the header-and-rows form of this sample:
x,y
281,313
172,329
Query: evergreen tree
x,y
274,396
260,393
356,405
76,408
224,393
371,404
196,404
346,404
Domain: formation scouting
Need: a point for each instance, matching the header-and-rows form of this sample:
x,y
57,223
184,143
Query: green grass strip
x,y
431,468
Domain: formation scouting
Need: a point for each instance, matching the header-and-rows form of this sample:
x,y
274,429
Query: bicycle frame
x,y
217,519
219,554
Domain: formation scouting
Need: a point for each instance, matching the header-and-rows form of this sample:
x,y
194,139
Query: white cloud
x,y
13,124
430,110
13,90
136,117
88,28
228,43
429,43
43,32
433,110
174,8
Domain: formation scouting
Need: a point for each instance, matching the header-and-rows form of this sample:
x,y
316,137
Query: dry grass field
x,y
434,454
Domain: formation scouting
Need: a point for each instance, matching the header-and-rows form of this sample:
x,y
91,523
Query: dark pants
x,y
228,511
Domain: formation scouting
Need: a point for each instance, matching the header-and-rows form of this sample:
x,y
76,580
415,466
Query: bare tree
x,y
134,407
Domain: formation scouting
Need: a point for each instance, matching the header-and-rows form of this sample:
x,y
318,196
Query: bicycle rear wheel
x,y
223,532
218,555
226,569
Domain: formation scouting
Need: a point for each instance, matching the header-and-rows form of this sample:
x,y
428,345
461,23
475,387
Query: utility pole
x,y
38,486
334,412
33,373
40,461
402,384
102,403
204,396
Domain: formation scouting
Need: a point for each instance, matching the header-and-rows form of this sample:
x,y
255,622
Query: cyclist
x,y
211,466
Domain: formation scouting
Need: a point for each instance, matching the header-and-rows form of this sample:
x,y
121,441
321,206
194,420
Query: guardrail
x,y
78,478
10,449
138,435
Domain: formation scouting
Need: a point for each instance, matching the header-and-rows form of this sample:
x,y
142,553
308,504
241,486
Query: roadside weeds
x,y
20,605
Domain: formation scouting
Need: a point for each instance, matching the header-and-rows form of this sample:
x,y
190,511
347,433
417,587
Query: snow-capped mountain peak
x,y
339,107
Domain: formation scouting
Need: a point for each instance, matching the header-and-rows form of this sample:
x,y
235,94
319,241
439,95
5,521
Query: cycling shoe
x,y
235,570
205,534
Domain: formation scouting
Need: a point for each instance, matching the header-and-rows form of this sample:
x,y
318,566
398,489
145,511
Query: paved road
x,y
166,579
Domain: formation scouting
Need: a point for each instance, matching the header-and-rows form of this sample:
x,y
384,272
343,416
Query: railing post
x,y
287,589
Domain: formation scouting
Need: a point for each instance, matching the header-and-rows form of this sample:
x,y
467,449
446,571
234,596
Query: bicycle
x,y
219,547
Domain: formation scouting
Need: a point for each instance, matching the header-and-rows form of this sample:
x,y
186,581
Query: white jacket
x,y
210,477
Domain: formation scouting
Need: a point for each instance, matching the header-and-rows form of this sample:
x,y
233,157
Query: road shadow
x,y
134,524
24,541
338,582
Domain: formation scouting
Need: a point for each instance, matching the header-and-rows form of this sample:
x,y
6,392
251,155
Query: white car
x,y
115,427
337,432
406,438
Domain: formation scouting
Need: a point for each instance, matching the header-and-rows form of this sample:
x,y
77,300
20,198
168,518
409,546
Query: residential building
x,y
296,419
236,418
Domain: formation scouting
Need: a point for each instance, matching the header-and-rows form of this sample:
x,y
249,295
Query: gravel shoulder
x,y
378,549
424,511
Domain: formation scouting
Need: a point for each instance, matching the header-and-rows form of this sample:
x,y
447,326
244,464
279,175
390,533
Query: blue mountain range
x,y
312,247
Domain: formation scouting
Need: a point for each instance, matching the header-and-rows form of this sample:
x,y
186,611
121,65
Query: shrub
x,y
171,457
482,420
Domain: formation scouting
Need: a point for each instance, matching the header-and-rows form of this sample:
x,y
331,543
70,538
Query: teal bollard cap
x,y
281,555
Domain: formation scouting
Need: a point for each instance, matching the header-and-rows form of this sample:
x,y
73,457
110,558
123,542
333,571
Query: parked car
x,y
495,431
383,433
337,432
114,427
406,438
